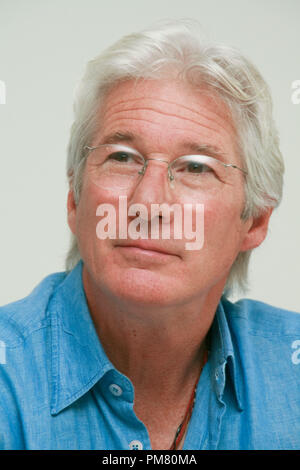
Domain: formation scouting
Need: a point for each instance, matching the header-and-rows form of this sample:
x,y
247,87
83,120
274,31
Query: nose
x,y
153,186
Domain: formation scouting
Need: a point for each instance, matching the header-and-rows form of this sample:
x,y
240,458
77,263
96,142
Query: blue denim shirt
x,y
58,389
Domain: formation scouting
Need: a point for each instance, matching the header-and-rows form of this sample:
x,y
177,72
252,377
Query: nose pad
x,y
152,183
151,192
142,171
170,176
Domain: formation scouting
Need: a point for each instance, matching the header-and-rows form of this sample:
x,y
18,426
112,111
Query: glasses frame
x,y
146,160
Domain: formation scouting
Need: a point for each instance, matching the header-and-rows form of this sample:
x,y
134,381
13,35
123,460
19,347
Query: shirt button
x,y
135,445
217,376
115,390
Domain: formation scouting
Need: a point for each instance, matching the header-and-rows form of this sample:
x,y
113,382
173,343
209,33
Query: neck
x,y
152,345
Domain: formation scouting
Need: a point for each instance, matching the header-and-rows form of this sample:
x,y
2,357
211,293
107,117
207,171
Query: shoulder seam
x,y
23,331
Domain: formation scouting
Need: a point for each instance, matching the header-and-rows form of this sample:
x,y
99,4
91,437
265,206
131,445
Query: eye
x,y
120,157
194,167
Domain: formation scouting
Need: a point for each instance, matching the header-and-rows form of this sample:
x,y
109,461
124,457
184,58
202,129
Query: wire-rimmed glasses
x,y
119,167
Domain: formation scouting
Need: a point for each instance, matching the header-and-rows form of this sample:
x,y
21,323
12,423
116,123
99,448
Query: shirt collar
x,y
79,360
223,353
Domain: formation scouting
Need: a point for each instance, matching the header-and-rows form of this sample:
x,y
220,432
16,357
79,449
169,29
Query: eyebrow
x,y
117,137
191,147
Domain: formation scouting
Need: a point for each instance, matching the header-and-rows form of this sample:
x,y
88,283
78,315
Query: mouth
x,y
146,248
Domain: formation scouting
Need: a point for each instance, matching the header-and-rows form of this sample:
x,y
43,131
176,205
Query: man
x,y
136,345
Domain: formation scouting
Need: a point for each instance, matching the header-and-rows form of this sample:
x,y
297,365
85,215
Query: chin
x,y
143,287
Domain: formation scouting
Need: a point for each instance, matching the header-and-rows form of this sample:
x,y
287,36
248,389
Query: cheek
x,y
222,223
222,241
90,198
86,218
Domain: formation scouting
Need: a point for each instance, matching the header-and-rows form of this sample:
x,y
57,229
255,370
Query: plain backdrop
x,y
44,46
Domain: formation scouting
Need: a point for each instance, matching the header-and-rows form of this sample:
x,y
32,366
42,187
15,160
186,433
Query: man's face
x,y
163,120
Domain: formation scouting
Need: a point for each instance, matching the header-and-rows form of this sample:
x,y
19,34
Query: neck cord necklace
x,y
183,425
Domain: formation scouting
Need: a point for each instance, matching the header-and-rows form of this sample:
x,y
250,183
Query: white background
x,y
44,46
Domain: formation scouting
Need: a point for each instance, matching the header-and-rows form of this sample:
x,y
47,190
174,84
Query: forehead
x,y
166,113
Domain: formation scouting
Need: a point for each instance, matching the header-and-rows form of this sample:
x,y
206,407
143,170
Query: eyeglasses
x,y
118,167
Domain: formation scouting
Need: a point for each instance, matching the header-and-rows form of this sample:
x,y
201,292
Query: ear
x,y
257,232
71,207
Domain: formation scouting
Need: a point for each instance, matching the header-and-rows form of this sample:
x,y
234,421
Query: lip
x,y
148,247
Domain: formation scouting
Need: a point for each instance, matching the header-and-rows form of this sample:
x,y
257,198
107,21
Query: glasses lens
x,y
114,166
199,172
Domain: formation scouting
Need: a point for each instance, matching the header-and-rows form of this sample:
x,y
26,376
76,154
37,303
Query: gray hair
x,y
176,49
